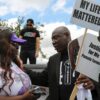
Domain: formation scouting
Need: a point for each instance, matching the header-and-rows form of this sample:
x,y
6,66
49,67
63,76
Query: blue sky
x,y
52,13
43,11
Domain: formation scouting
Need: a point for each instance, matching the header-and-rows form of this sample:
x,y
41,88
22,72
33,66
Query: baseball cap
x,y
30,20
14,38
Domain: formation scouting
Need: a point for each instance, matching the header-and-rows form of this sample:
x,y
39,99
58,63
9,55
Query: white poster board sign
x,y
86,13
89,61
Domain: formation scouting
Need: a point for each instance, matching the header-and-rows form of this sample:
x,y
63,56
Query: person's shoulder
x,y
23,30
35,29
55,55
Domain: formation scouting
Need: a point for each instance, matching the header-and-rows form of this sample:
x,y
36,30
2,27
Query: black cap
x,y
31,20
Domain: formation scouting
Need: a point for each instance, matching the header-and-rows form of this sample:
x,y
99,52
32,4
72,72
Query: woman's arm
x,y
26,96
11,98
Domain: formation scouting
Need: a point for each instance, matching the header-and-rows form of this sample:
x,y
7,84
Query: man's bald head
x,y
61,29
61,38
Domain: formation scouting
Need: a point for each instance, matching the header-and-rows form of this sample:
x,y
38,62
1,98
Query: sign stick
x,y
75,90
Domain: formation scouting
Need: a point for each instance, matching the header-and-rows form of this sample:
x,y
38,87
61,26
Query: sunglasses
x,y
29,24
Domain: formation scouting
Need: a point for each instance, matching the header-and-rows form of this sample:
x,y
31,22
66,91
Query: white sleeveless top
x,y
21,82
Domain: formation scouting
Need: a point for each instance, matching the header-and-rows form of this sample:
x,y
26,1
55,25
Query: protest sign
x,y
86,13
89,60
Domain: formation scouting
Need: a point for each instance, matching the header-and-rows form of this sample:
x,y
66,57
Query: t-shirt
x,y
29,34
20,84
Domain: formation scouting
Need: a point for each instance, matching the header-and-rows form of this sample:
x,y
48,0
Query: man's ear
x,y
99,36
69,39
99,77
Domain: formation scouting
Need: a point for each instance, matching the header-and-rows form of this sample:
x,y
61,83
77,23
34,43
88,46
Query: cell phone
x,y
38,90
33,90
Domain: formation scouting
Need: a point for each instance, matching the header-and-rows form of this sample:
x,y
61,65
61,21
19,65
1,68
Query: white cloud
x,y
22,6
68,10
60,5
12,22
3,10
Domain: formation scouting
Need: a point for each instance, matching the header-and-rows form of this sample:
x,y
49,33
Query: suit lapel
x,y
58,67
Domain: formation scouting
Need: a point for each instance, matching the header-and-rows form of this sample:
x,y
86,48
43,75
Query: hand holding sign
x,y
87,83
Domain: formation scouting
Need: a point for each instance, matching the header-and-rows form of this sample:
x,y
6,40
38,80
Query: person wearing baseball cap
x,y
11,74
11,37
30,50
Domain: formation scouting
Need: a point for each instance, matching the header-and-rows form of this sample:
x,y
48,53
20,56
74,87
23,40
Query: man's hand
x,y
87,83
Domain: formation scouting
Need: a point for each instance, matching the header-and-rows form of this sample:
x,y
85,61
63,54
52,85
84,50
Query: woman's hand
x,y
87,83
28,96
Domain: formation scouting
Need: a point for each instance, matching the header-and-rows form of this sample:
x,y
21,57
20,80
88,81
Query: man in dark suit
x,y
59,76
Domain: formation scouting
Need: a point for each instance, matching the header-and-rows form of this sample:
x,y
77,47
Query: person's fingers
x,y
82,80
88,85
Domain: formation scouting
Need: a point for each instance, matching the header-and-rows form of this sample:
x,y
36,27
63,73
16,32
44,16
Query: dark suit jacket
x,y
50,77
